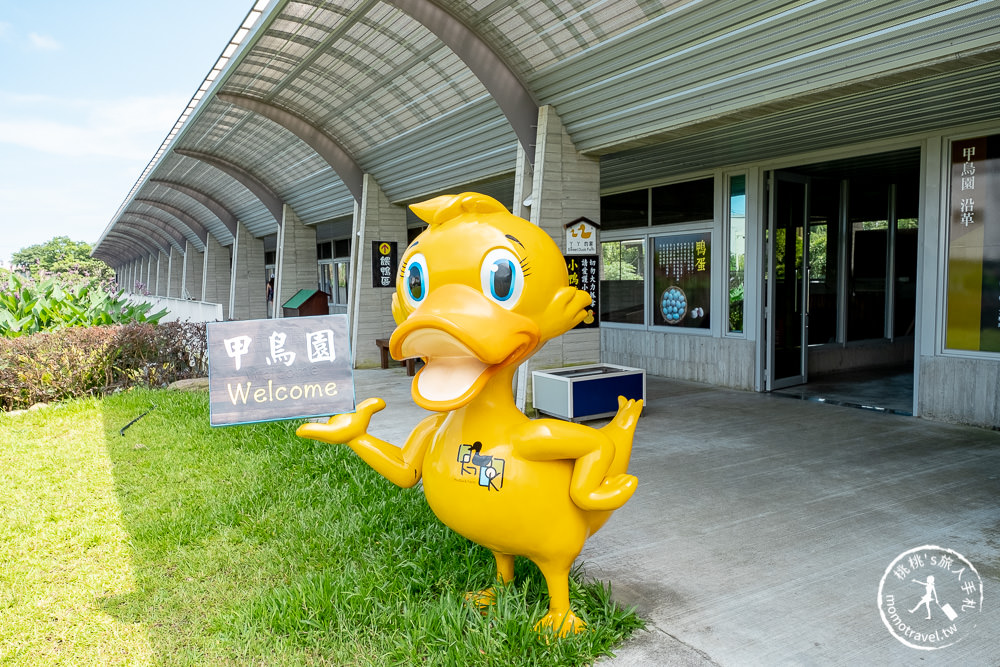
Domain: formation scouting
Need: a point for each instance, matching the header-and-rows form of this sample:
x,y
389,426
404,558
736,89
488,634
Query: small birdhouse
x,y
307,302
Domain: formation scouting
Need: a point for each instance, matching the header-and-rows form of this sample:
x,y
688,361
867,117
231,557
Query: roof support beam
x,y
512,96
172,234
267,196
141,227
118,249
224,215
335,155
145,245
187,219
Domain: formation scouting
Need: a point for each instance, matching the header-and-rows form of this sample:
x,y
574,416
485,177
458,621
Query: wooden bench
x,y
383,348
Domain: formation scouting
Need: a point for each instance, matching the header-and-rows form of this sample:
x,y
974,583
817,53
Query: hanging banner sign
x,y
581,237
583,274
973,317
265,370
384,264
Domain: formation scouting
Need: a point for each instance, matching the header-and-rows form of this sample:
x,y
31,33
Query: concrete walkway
x,y
763,526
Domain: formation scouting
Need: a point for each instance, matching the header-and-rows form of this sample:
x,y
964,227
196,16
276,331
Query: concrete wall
x,y
194,271
565,185
296,259
217,278
726,362
371,308
162,274
248,299
176,274
959,390
182,310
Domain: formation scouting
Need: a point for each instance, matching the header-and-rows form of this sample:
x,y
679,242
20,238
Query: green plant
x,y
63,256
27,306
182,544
736,308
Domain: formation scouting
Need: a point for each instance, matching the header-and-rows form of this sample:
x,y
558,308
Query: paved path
x,y
763,526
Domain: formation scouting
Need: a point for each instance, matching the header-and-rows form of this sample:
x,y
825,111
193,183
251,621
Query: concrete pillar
x,y
217,275
194,269
175,273
247,298
370,308
296,263
162,274
150,274
565,185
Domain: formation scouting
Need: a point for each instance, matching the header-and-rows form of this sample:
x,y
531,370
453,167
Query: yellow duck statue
x,y
479,291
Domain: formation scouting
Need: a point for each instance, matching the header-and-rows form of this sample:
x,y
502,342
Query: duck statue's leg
x,y
560,619
505,574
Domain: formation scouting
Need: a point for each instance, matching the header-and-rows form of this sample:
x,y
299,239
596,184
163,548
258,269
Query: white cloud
x,y
129,128
43,42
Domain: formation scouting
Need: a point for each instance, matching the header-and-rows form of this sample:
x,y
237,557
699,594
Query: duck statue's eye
x,y
502,278
415,279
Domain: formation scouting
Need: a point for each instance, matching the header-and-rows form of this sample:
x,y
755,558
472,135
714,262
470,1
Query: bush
x,y
58,302
81,361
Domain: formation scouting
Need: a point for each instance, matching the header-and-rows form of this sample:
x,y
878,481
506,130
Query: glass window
x,y
626,209
326,277
690,201
623,272
343,283
868,230
737,250
682,280
904,316
824,244
335,280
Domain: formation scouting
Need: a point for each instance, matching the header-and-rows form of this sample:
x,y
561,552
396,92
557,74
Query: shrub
x,y
80,361
59,302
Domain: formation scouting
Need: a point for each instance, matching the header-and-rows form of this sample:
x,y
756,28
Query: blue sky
x,y
88,92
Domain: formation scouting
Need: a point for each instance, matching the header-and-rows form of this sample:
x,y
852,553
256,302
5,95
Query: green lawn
x,y
176,543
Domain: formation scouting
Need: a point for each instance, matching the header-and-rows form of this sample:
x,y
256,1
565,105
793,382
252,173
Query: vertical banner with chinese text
x,y
583,274
682,284
384,264
973,290
582,264
263,370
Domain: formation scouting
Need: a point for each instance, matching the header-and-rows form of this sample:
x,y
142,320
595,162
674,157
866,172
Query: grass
x,y
180,544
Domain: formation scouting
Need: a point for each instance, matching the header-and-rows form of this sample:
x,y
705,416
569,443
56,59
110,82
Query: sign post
x,y
583,264
265,370
384,264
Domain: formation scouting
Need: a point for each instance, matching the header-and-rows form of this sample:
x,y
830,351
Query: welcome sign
x,y
265,370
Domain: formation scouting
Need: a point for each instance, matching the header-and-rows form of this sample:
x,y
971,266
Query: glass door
x,y
787,302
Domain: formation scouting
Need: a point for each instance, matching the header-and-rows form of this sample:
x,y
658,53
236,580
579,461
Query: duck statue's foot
x,y
482,600
560,623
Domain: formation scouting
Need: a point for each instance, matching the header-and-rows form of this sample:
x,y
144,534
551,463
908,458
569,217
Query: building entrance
x,y
841,275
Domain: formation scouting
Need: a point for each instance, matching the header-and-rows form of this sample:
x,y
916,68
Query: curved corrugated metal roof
x,y
654,87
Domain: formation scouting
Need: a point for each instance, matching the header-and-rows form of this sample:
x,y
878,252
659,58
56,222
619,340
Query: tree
x,y
61,255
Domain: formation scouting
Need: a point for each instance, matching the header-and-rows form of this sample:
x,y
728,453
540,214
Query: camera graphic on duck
x,y
479,291
486,469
